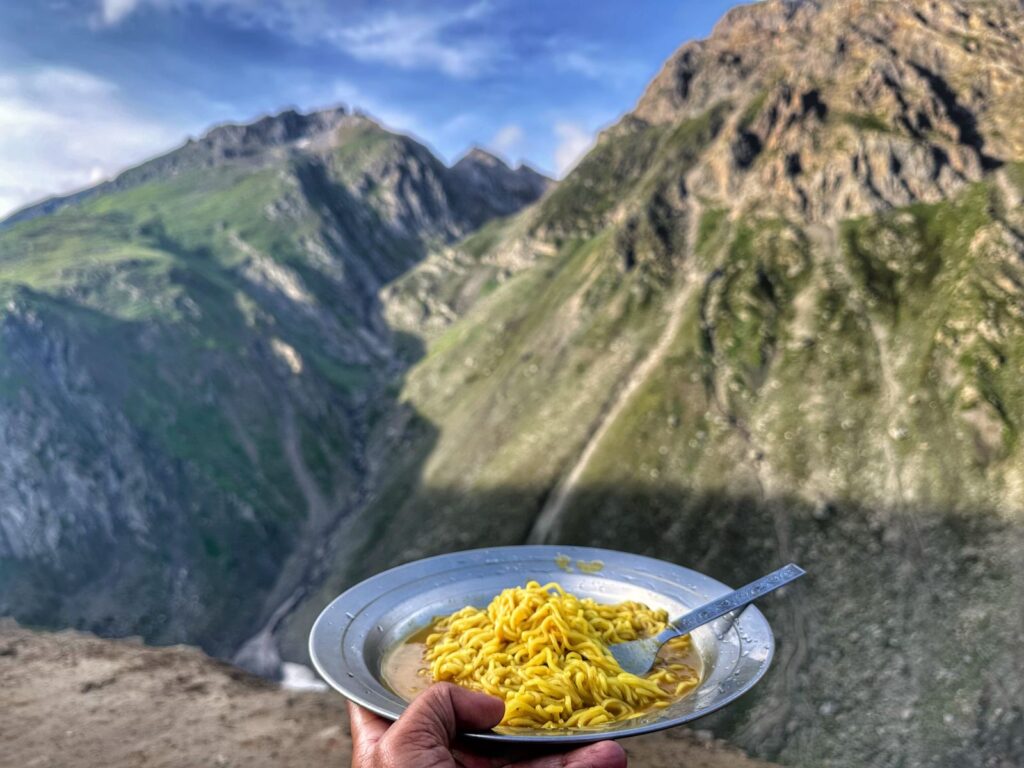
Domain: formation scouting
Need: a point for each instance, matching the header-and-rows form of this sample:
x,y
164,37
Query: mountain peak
x,y
285,127
481,156
225,142
845,108
491,177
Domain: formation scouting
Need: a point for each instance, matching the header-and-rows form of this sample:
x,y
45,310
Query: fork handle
x,y
737,599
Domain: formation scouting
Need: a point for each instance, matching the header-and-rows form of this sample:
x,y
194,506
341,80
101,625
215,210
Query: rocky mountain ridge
x,y
188,359
478,174
926,101
220,143
775,314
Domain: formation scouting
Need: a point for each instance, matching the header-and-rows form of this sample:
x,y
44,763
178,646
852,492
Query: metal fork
x,y
637,656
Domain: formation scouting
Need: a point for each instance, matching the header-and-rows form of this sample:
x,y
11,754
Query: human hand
x,y
425,736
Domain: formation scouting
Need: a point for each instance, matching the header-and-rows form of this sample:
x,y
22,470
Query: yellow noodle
x,y
545,652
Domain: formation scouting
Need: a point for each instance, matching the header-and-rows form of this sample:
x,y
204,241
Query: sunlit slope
x,y
776,314
187,364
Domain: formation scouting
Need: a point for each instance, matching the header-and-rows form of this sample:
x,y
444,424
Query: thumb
x,y
440,712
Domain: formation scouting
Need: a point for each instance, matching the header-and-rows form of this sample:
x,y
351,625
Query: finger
x,y
367,730
475,711
473,753
603,754
465,759
443,710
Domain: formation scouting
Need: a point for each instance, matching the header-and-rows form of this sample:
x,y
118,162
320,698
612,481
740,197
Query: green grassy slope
x,y
847,398
187,363
732,350
170,344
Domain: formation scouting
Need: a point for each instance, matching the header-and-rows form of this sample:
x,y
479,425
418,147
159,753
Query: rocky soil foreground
x,y
71,699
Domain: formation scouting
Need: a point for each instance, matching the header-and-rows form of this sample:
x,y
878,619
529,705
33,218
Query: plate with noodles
x,y
532,625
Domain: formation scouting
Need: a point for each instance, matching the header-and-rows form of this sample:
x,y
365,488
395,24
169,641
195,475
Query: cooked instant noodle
x,y
545,652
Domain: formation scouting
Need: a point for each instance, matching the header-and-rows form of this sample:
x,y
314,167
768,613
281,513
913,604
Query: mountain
x,y
188,358
777,313
482,185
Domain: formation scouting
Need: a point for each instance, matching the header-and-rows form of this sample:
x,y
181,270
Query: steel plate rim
x,y
583,736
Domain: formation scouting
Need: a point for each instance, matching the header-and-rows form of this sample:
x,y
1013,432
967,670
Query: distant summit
x,y
293,131
493,179
201,340
285,127
221,142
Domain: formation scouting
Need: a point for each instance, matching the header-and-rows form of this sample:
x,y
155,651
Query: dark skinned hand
x,y
426,736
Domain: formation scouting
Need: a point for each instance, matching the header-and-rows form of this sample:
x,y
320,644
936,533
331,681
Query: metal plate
x,y
351,637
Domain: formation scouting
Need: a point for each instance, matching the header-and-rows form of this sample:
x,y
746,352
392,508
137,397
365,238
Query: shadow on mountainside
x,y
171,468
896,649
899,648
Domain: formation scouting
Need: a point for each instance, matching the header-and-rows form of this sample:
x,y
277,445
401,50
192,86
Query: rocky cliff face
x,y
187,360
776,314
850,110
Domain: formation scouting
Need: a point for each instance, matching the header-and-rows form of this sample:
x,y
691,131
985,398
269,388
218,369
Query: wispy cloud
x,y
115,11
62,129
592,61
434,37
420,41
282,15
573,142
508,139
581,63
350,94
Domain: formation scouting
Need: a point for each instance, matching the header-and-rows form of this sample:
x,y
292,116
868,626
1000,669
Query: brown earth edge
x,y
72,699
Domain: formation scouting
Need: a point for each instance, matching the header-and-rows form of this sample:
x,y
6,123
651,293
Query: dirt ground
x,y
72,700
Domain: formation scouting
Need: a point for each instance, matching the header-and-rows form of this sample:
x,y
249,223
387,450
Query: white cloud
x,y
581,63
352,95
595,63
114,11
62,129
458,124
426,38
573,142
418,41
508,138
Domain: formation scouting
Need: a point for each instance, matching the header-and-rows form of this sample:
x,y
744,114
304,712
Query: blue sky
x,y
88,87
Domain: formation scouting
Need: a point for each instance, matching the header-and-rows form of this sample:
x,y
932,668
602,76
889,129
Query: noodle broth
x,y
407,672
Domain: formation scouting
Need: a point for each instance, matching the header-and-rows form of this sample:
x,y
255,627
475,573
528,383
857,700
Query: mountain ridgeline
x,y
189,360
777,313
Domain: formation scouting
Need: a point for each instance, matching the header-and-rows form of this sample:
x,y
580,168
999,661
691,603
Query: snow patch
x,y
298,677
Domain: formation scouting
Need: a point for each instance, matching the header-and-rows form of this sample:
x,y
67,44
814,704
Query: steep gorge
x,y
189,364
